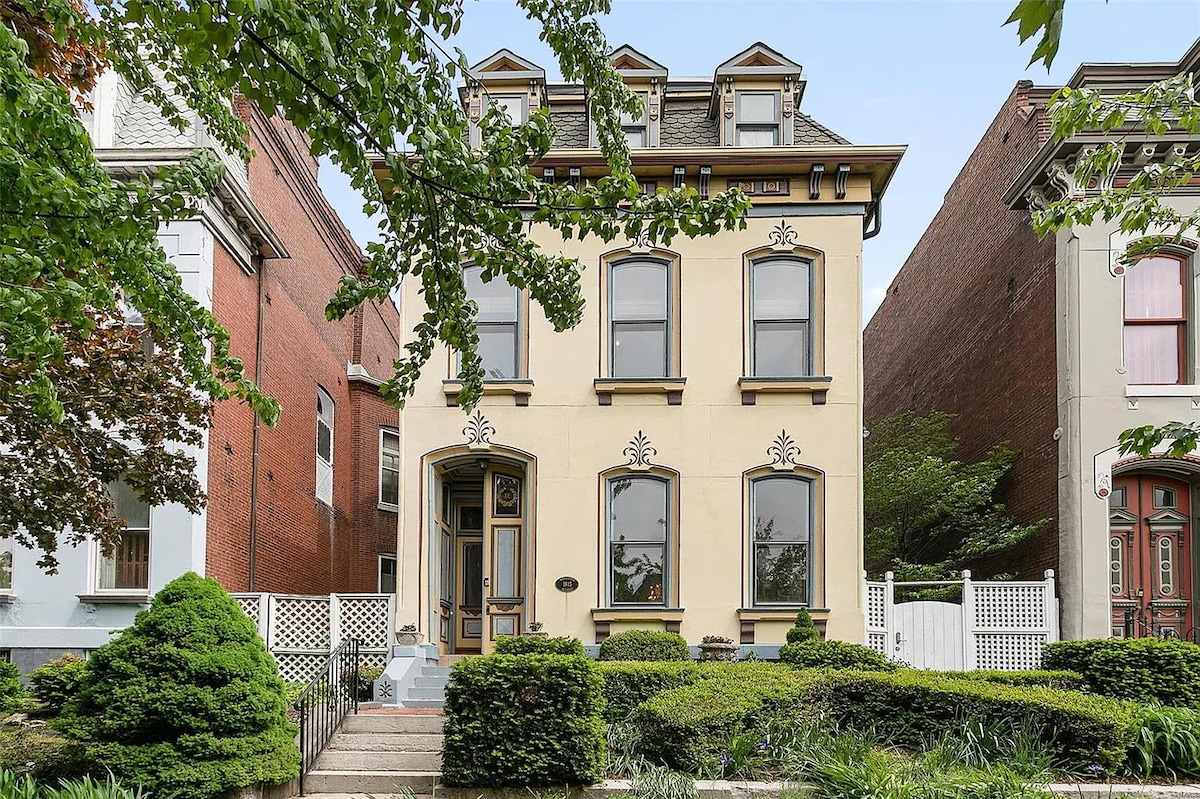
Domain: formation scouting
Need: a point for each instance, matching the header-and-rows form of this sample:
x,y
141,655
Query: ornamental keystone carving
x,y
783,452
640,451
783,235
479,431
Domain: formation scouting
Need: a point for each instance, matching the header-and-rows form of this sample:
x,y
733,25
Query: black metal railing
x,y
325,701
1138,624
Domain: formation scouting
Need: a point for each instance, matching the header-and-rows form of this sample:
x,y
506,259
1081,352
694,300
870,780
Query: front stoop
x,y
376,752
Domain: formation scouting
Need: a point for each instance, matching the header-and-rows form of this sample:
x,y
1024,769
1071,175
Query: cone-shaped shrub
x,y
803,630
187,701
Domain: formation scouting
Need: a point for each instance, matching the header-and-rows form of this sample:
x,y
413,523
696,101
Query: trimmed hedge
x,y
834,655
187,701
55,682
910,708
516,721
536,645
685,726
645,645
628,684
1062,680
1142,669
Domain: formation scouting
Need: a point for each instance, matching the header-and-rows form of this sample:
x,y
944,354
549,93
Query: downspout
x,y
260,264
877,219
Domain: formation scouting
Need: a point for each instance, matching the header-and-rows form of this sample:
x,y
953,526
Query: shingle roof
x,y
686,124
572,127
810,131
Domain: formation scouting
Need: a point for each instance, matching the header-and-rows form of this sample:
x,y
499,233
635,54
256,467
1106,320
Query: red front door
x,y
1150,555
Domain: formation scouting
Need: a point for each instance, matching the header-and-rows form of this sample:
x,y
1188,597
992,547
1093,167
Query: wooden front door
x,y
1150,556
468,577
504,501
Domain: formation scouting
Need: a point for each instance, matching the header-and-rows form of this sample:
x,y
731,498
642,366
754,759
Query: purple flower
x,y
763,745
1094,769
724,759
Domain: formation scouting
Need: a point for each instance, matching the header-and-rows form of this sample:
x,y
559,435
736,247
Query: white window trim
x,y
1151,390
524,98
95,555
379,571
384,505
318,460
10,545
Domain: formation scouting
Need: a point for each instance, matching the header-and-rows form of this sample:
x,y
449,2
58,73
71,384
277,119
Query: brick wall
x,y
303,545
968,326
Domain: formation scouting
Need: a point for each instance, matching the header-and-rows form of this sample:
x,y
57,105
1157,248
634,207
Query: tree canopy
x,y
926,514
1140,206
365,80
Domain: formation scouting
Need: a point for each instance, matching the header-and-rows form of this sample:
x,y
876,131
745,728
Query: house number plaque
x,y
566,584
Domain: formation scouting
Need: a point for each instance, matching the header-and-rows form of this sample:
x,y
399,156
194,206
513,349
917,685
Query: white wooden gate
x,y
999,624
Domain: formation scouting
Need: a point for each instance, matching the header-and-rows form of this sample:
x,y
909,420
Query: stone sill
x,y
780,613
519,390
7,598
637,614
817,386
1161,391
672,387
114,599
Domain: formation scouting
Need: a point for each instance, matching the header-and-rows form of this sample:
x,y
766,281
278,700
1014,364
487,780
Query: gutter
x,y
252,554
874,223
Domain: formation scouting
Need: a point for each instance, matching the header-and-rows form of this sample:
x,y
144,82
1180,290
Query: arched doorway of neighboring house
x,y
480,548
1150,554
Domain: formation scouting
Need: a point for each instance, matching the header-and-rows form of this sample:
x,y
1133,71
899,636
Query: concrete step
x,y
435,671
372,782
418,692
417,703
393,723
345,760
430,682
388,742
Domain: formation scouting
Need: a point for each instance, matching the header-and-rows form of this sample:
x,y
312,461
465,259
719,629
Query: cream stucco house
x,y
687,458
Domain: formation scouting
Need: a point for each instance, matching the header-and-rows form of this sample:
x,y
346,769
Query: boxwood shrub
x,y
834,655
910,708
645,645
628,684
10,683
685,726
1142,669
187,701
1062,680
56,682
536,645
516,721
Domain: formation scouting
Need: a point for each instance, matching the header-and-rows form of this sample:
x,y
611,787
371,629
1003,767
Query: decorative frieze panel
x,y
762,187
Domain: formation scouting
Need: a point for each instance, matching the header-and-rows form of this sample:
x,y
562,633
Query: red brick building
x,y
308,506
1056,347
967,325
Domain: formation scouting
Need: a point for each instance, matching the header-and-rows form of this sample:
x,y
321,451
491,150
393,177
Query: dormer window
x,y
635,126
513,104
758,119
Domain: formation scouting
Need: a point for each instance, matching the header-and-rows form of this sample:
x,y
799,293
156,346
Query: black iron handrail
x,y
325,701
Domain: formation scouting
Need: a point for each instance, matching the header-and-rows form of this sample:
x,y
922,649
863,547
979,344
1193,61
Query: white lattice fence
x,y
301,631
1004,624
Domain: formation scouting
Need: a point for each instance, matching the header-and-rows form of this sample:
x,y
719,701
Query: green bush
x,y
1142,669
685,727
10,683
803,630
629,683
524,721
55,682
187,701
910,708
364,682
536,645
1062,680
834,655
40,753
644,645
1166,741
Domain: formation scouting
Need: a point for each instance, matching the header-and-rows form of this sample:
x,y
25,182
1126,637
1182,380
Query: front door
x,y
503,554
1150,556
468,577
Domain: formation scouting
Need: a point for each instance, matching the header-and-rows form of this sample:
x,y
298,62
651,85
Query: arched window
x,y
1156,320
498,324
639,539
325,413
781,521
781,317
639,332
